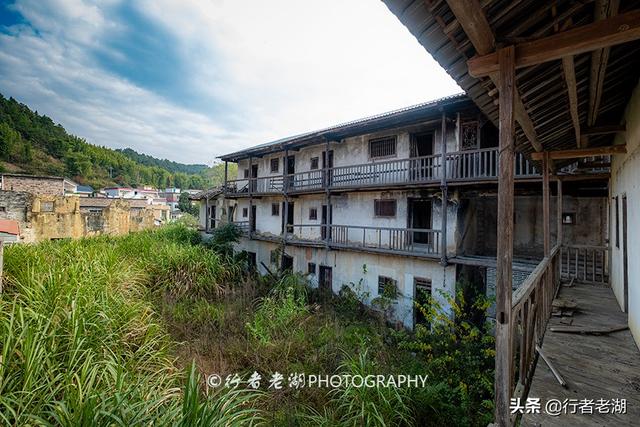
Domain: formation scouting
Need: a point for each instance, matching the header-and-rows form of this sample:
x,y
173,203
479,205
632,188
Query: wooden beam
x,y
443,187
559,207
603,130
569,71
586,38
546,217
504,350
599,59
581,152
473,21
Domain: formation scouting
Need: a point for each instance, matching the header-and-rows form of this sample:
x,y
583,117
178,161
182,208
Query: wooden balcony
x,y
399,241
462,167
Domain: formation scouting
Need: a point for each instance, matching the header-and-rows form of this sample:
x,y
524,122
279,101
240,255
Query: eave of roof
x,y
403,116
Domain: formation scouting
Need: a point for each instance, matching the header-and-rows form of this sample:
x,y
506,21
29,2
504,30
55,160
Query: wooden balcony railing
x,y
472,165
589,264
384,239
531,306
243,226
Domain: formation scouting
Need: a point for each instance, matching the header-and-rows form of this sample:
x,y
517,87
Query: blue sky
x,y
190,80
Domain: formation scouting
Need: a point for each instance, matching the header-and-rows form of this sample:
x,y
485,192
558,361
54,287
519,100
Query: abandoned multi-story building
x,y
361,204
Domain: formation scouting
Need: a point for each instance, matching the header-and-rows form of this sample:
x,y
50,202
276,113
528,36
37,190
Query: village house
x,y
372,217
37,184
560,82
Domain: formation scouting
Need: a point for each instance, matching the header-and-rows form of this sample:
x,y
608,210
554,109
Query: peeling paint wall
x,y
45,217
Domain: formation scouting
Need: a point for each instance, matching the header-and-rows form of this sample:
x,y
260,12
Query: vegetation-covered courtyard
x,y
124,331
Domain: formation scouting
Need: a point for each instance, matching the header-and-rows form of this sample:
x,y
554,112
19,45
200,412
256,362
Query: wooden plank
x,y
599,59
504,331
586,38
569,71
581,152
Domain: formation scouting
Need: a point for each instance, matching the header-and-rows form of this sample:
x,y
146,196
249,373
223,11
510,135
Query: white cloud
x,y
285,66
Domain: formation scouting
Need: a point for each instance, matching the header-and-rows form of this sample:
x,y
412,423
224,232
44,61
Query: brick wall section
x,y
33,185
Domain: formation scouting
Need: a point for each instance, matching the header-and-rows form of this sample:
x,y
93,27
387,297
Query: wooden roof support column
x,y
599,59
546,217
559,212
474,23
504,349
445,190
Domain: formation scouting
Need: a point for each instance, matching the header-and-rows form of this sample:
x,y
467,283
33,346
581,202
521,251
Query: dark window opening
x,y
275,209
245,212
568,218
275,165
315,162
382,147
617,222
246,173
313,213
419,211
385,208
311,268
287,262
251,260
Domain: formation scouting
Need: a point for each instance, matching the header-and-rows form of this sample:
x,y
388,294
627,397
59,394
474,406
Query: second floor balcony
x,y
461,167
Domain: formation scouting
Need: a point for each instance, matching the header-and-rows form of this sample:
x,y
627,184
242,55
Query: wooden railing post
x,y
504,331
444,188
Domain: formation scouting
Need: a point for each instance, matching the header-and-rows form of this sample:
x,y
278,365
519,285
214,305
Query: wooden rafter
x,y
581,152
599,59
568,68
475,25
586,38
603,130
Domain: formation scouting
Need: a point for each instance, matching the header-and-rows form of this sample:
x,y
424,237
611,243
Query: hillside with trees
x,y
32,143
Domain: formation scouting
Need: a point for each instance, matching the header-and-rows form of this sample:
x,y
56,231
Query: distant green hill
x,y
33,143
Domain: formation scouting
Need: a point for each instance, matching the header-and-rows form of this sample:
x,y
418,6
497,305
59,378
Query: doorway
x,y
419,217
254,180
421,168
328,178
325,278
252,219
289,217
421,296
625,255
290,170
326,221
287,262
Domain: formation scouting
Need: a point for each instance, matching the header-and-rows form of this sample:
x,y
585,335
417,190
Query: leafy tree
x,y
184,204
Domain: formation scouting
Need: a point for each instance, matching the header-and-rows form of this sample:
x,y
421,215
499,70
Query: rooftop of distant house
x,y
51,177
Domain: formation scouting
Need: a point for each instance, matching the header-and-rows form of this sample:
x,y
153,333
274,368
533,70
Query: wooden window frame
x,y
313,214
385,153
275,162
377,208
275,209
315,163
246,173
245,212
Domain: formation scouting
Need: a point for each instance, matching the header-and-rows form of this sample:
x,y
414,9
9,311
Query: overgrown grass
x,y
80,341
118,331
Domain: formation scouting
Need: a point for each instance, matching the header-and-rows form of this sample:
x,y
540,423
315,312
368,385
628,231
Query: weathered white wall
x,y
625,180
361,271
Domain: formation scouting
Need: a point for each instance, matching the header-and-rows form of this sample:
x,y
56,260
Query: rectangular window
x,y
385,208
315,162
275,165
275,209
245,212
313,213
251,260
387,287
246,173
46,207
311,268
3,209
382,147
615,200
274,257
